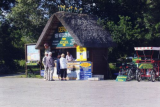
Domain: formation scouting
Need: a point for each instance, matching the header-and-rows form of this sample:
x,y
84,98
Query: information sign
x,y
85,70
81,53
33,55
145,66
62,38
121,78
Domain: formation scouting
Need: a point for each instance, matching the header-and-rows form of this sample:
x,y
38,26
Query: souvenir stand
x,y
86,41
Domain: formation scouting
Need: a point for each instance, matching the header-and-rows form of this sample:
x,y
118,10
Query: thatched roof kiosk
x,y
86,32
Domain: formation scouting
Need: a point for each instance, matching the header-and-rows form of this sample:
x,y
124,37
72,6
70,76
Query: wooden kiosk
x,y
65,30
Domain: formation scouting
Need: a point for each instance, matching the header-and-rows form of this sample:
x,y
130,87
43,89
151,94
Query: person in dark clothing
x,y
58,66
63,67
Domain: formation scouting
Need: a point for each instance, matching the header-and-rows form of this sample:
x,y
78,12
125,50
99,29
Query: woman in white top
x,y
63,67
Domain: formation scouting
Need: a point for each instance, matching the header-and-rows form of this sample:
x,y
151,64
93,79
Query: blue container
x,y
83,77
82,72
89,76
42,73
85,73
116,73
89,70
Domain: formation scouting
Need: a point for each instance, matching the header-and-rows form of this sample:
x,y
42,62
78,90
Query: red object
x,y
153,61
75,45
137,61
148,59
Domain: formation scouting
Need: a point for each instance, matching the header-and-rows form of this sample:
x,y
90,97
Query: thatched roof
x,y
83,28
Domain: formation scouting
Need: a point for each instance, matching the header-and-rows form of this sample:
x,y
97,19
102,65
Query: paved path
x,y
26,92
12,75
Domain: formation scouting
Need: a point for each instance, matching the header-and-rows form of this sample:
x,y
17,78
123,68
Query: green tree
x,y
131,23
124,34
6,4
28,18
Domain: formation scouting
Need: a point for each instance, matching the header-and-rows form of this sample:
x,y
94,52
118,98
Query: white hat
x,y
62,55
50,53
46,53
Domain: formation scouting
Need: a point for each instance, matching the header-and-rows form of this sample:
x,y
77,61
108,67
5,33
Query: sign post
x,y
32,56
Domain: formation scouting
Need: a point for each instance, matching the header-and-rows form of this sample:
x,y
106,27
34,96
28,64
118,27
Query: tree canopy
x,y
130,22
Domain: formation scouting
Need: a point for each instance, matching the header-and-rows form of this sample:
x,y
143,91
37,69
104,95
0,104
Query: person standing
x,y
69,57
50,66
47,48
63,67
44,64
58,66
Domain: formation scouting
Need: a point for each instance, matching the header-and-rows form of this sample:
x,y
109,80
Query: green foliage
x,y
22,76
34,76
114,69
138,25
7,51
28,18
112,66
130,22
6,4
125,33
22,63
123,30
5,69
30,76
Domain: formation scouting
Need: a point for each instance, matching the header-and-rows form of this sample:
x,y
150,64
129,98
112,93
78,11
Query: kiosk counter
x,y
77,70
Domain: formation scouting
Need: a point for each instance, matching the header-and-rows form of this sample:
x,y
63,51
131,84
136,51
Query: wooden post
x,y
26,71
40,62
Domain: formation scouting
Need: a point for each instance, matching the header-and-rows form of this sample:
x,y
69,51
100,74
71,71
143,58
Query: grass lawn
x,y
30,76
35,70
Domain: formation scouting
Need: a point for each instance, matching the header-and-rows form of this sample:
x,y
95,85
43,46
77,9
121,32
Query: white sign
x,y
32,53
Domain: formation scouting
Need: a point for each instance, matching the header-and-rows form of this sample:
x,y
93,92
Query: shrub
x,y
5,69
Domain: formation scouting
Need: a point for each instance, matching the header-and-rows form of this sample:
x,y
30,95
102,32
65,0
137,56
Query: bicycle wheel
x,y
153,76
139,77
129,75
